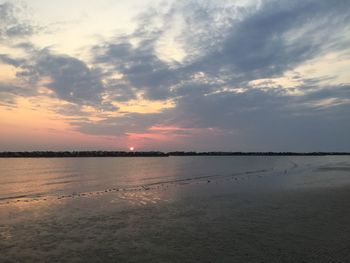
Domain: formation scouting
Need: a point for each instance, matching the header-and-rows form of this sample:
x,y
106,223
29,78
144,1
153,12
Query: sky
x,y
238,75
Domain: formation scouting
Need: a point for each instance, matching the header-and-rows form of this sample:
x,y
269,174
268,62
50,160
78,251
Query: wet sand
x,y
299,214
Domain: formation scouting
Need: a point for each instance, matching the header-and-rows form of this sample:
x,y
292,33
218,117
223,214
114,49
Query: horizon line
x,y
101,153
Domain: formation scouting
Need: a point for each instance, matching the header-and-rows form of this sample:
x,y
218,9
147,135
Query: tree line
x,y
57,154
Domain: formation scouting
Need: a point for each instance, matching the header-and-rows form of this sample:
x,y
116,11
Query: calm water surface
x,y
31,177
176,209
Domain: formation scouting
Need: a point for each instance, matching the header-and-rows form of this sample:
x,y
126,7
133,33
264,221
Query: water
x,y
176,209
46,177
30,177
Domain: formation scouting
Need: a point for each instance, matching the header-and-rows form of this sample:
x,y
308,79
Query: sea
x,y
175,209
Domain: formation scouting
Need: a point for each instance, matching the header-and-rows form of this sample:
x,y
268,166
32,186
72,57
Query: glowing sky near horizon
x,y
200,75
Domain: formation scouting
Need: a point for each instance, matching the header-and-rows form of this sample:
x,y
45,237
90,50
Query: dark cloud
x,y
271,120
6,59
9,93
232,43
253,120
71,110
140,66
120,92
71,79
227,47
276,37
336,92
7,99
13,24
232,46
120,126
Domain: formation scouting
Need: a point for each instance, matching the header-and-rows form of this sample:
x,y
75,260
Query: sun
x,y
131,148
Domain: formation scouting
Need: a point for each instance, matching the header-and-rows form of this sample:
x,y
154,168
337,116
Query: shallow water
x,y
45,177
176,209
30,177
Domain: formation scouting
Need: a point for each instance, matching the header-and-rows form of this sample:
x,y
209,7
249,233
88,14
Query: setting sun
x,y
131,148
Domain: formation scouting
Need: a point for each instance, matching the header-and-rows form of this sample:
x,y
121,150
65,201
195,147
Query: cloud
x,y
119,126
70,78
142,70
232,46
6,59
277,36
228,47
13,23
7,99
9,93
211,88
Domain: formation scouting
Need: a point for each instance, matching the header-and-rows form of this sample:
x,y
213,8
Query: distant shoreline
x,y
79,154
